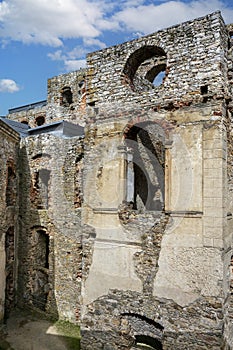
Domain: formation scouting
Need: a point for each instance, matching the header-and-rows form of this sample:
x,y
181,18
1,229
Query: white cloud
x,y
150,18
50,21
56,56
71,65
94,42
77,52
8,85
72,60
134,17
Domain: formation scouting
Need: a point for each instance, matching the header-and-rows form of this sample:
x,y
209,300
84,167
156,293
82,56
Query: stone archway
x,y
148,334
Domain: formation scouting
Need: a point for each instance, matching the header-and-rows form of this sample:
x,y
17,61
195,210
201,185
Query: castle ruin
x,y
116,194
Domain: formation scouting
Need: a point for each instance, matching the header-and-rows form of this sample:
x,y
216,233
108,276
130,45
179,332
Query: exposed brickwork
x,y
127,229
48,210
9,149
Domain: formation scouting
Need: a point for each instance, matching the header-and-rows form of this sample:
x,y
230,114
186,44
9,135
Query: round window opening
x,y
145,68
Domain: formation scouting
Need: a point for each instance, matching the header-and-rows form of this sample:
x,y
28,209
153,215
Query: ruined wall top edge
x,y
176,27
192,56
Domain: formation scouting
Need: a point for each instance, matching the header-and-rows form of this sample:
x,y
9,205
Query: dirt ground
x,y
25,331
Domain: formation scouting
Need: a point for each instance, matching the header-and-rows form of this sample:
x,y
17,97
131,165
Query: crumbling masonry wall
x,y
9,149
171,266
49,236
32,115
128,230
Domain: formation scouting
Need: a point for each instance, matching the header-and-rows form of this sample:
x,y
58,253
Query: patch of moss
x,y
70,333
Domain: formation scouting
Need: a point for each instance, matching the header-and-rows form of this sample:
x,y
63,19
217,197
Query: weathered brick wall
x,y
196,57
182,252
229,189
9,147
106,256
49,267
72,108
30,116
66,100
179,269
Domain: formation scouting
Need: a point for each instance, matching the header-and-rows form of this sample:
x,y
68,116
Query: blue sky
x,y
43,38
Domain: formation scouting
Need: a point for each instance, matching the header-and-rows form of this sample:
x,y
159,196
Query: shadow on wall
x,y
146,141
10,236
35,242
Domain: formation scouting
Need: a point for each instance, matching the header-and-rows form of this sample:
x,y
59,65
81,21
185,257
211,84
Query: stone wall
x,y
9,149
195,54
129,229
66,100
172,259
34,117
67,97
49,237
155,271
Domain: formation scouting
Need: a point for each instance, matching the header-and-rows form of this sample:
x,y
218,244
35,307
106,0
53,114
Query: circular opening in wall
x,y
156,74
158,80
145,68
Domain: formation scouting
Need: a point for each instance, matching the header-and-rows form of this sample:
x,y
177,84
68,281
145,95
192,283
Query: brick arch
x,y
146,331
147,341
164,124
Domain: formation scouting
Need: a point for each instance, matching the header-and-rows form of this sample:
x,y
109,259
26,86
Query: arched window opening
x,y
156,74
24,122
44,177
40,189
66,96
10,187
151,337
40,120
40,249
81,86
139,56
145,164
9,270
147,342
143,66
